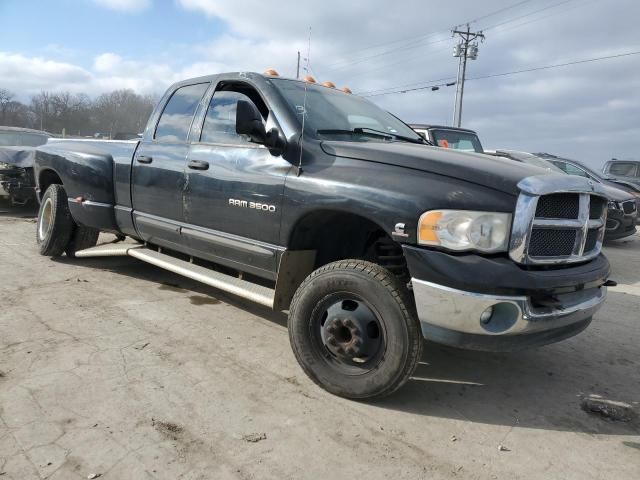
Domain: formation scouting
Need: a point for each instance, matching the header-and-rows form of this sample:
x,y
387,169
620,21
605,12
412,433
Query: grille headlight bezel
x,y
525,220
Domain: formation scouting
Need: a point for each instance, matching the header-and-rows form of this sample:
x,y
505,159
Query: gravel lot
x,y
116,368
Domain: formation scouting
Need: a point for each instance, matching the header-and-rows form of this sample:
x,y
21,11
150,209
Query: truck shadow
x,y
199,293
539,388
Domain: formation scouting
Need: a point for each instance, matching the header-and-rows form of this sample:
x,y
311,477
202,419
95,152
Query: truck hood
x,y
493,172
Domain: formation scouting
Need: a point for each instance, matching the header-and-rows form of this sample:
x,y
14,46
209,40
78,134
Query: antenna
x,y
304,103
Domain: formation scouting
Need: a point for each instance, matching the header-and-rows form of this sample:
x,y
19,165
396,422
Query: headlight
x,y
465,230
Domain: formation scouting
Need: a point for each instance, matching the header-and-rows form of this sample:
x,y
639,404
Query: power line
x,y
433,87
412,42
368,92
409,40
514,72
571,7
348,63
412,58
557,65
548,7
494,13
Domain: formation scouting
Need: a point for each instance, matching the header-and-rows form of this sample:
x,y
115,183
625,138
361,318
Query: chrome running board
x,y
108,250
236,286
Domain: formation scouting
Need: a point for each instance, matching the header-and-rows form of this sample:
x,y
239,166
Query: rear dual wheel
x,y
353,329
56,232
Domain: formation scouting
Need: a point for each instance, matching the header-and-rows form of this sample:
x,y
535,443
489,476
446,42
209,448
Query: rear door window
x,y
175,121
625,169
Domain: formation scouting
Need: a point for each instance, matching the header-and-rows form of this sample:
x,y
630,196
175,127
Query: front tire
x,y
55,224
354,331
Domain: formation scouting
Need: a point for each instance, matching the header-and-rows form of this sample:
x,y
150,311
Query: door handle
x,y
144,159
198,165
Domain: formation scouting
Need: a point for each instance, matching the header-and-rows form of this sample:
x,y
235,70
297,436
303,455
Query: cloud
x,y
125,5
30,74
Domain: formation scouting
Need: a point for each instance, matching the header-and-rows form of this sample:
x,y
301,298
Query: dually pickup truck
x,y
304,198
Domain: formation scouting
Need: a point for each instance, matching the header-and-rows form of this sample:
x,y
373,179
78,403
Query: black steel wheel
x,y
354,331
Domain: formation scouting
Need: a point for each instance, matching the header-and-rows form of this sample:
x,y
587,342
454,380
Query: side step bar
x,y
236,286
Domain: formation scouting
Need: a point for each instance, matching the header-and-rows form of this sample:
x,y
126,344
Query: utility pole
x,y
467,48
298,69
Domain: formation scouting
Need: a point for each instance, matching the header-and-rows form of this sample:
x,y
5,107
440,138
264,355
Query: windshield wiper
x,y
392,135
358,131
373,132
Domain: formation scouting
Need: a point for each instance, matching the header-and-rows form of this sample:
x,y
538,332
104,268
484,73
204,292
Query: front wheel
x,y
55,224
353,329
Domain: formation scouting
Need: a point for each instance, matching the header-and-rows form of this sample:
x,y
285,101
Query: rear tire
x,y
81,239
354,331
55,224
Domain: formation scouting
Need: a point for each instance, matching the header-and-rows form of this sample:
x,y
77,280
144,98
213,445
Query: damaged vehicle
x,y
622,213
16,163
311,200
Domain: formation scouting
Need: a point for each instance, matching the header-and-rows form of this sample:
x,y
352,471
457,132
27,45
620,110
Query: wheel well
x,y
47,178
340,235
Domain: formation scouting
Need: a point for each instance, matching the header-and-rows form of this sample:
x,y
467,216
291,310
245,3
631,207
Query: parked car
x,y
573,167
450,137
623,170
305,198
622,214
16,162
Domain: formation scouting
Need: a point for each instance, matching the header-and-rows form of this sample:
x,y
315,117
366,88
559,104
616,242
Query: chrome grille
x,y
558,205
546,242
557,221
629,206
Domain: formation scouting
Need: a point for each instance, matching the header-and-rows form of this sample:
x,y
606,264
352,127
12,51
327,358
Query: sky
x,y
589,111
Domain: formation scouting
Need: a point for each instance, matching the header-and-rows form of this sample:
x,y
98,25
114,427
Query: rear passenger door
x,y
234,192
158,177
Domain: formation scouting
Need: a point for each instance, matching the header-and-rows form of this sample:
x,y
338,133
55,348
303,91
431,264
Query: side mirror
x,y
249,122
275,143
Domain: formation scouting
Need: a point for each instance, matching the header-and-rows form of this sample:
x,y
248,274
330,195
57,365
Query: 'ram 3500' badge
x,y
264,207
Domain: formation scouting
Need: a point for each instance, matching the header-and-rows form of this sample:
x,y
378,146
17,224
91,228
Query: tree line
x,y
64,113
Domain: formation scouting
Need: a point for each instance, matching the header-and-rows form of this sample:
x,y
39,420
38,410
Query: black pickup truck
x,y
308,199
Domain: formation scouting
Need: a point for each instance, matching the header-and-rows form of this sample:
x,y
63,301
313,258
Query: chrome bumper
x,y
457,311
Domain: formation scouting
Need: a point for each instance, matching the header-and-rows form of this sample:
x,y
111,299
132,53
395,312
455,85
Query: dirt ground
x,y
114,368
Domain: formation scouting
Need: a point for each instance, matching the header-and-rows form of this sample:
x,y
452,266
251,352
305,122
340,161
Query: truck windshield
x,y
457,140
335,115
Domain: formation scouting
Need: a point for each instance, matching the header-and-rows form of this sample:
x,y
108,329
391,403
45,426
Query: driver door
x,y
234,189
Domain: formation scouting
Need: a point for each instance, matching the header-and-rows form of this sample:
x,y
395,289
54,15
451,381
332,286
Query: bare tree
x,y
120,111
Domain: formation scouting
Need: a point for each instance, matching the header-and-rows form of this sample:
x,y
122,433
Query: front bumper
x,y
452,317
530,307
